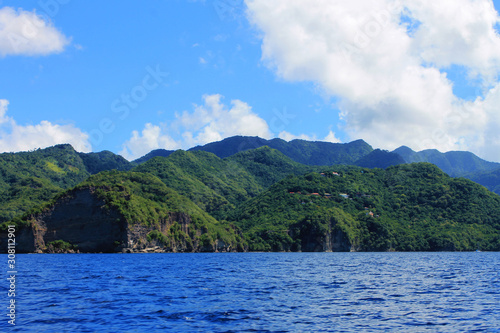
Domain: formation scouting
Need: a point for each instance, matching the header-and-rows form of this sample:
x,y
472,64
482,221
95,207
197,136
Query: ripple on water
x,y
259,292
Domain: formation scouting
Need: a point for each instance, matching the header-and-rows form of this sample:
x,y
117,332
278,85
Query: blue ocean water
x,y
255,292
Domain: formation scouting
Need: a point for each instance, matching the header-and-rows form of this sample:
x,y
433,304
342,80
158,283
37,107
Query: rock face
x,y
79,219
83,222
316,239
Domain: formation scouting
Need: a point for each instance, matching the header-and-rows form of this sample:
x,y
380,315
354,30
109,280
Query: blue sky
x,y
130,77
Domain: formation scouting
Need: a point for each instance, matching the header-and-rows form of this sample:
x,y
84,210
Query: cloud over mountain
x,y
386,62
212,121
15,137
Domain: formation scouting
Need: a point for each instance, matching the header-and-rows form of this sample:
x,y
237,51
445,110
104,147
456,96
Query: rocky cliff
x,y
80,221
320,238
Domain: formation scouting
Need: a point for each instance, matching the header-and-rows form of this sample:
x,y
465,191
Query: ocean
x,y
254,292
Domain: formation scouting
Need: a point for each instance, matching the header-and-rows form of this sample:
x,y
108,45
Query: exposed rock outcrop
x,y
82,222
314,238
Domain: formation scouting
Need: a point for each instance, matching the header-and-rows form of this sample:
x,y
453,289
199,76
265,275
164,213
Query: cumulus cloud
x,y
214,121
3,110
385,60
14,137
209,122
287,136
26,33
150,138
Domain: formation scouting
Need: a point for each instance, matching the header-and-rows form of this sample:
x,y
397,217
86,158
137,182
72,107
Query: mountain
x,y
104,160
457,164
153,154
410,207
301,151
121,212
454,163
379,159
217,185
268,165
255,199
211,183
30,178
489,179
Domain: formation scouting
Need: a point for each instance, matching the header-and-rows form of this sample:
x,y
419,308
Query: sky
x,y
129,76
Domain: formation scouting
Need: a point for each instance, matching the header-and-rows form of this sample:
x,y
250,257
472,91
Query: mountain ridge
x,y
302,151
257,199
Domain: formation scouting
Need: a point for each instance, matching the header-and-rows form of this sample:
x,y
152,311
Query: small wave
x,y
372,299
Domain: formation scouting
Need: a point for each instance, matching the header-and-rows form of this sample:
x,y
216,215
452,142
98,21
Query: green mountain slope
x,y
458,164
413,207
211,183
30,178
379,159
130,211
267,165
454,163
217,185
302,151
489,179
182,202
104,160
152,154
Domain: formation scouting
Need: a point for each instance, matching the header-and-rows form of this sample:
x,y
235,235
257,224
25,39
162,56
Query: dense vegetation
x,y
301,151
104,160
413,207
30,178
214,185
141,198
454,163
273,202
217,185
489,179
379,159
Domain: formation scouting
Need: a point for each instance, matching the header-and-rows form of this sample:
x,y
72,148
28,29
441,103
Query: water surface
x,y
256,292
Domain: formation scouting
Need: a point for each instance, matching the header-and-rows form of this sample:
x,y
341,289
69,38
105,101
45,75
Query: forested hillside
x,y
217,185
301,151
114,210
30,178
253,199
414,207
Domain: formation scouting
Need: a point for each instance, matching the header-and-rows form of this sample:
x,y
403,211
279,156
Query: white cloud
x,y
3,110
484,113
287,136
26,33
149,139
389,77
14,137
331,138
212,121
